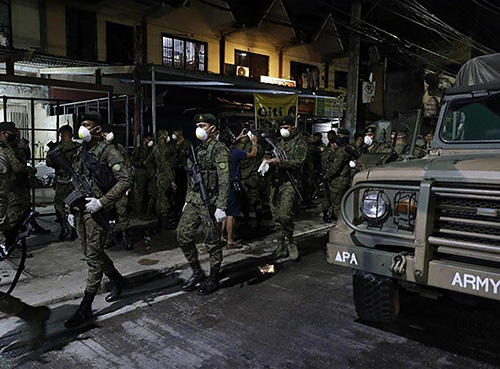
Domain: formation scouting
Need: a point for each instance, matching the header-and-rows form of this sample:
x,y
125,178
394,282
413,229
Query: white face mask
x,y
201,134
110,137
284,132
150,143
368,141
84,134
174,137
168,139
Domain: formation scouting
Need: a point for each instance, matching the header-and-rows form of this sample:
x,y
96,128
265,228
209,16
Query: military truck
x,y
430,225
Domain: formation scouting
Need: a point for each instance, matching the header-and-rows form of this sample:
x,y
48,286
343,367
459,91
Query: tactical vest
x,y
206,158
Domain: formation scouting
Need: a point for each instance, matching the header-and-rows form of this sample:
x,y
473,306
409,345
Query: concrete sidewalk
x,y
57,272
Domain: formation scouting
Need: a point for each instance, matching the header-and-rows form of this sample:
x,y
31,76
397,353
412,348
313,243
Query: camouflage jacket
x,y
181,153
107,154
161,162
249,166
336,165
295,150
140,155
214,159
69,149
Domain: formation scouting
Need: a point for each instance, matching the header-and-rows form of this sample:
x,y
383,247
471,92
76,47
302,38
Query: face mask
x,y
201,134
368,141
151,143
168,139
174,137
284,132
110,137
84,134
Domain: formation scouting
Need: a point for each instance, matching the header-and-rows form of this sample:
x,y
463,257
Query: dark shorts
x,y
233,205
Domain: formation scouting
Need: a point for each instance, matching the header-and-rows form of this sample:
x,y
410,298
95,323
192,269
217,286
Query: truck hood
x,y
466,167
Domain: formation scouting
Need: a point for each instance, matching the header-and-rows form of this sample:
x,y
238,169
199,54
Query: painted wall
x,y
25,24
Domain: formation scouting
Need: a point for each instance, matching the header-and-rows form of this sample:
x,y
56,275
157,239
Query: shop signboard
x,y
328,107
270,109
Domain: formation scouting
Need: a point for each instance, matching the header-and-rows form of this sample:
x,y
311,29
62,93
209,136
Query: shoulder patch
x,y
116,167
222,166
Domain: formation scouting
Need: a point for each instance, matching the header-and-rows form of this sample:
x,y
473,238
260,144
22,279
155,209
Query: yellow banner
x,y
270,109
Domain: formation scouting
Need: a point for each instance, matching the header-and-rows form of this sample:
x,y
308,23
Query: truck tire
x,y
376,298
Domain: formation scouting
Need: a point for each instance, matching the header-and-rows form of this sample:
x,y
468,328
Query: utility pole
x,y
353,75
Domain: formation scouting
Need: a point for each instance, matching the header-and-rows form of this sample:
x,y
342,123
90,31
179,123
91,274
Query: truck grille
x,y
467,223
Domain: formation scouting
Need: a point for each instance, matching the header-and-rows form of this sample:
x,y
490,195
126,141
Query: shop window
x,y
305,75
5,24
81,34
119,43
257,64
184,53
340,79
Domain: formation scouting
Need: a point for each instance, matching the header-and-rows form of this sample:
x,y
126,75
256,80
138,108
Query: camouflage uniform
x,y
181,156
145,186
121,205
92,234
250,178
327,157
337,174
282,195
63,187
214,159
312,169
161,162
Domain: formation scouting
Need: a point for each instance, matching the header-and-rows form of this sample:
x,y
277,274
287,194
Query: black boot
x,y
211,284
197,277
84,312
118,282
65,229
126,243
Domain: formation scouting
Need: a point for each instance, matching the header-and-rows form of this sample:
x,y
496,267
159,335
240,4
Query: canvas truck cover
x,y
479,70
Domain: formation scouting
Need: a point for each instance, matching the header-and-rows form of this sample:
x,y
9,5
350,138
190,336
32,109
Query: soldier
x,y
250,178
161,162
213,158
102,163
12,209
145,186
181,154
312,166
327,157
428,137
338,172
63,186
282,194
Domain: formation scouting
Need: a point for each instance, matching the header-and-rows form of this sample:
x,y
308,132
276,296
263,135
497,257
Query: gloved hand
x,y
352,164
93,205
71,220
219,215
264,167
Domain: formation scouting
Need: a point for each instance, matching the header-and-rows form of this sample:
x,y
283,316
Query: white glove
x,y
71,220
219,215
352,164
93,205
264,167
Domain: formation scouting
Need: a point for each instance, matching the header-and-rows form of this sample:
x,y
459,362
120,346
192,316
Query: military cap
x,y
8,126
288,120
204,118
370,130
92,116
343,131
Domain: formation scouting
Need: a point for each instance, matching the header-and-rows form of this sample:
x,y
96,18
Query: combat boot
x,y
293,251
281,251
36,319
197,277
126,242
211,284
119,282
84,312
65,229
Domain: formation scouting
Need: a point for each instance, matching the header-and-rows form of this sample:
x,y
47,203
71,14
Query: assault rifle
x,y
81,185
278,153
197,180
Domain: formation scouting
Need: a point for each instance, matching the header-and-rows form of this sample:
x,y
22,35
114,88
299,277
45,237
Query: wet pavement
x,y
300,317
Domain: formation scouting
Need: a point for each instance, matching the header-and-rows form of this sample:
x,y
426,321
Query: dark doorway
x,y
81,34
258,64
119,43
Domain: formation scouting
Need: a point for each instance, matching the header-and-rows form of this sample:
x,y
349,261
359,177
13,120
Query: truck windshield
x,y
475,119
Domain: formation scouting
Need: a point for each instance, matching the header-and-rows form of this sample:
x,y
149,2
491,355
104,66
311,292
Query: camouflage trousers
x,y
194,217
62,190
11,212
252,191
338,188
11,305
163,200
144,191
281,201
92,237
123,220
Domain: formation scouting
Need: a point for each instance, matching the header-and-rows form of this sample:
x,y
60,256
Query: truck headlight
x,y
375,205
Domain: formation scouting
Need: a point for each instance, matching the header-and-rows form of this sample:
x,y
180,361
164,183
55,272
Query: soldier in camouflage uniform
x,y
181,154
282,194
337,172
312,166
213,157
11,212
144,186
63,186
250,178
161,162
90,232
